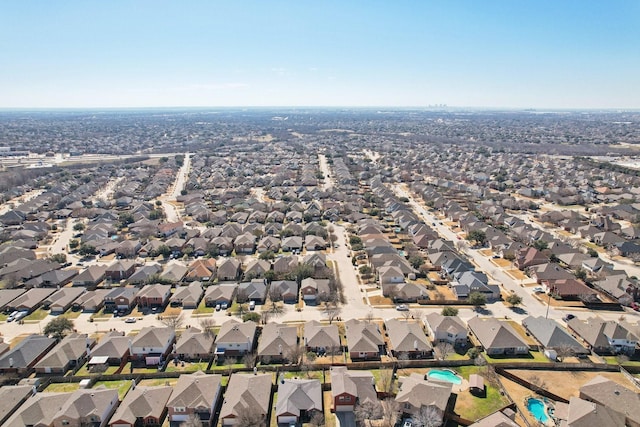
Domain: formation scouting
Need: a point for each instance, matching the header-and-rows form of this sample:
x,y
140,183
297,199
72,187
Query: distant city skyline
x,y
494,54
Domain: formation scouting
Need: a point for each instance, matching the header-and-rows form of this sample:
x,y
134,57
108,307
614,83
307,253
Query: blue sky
x,y
511,53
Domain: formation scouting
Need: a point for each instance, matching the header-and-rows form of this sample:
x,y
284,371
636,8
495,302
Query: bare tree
x,y
275,293
241,296
294,354
207,324
386,380
565,350
331,310
368,411
229,362
251,417
444,349
390,412
192,421
427,416
249,360
317,420
173,322
275,309
369,317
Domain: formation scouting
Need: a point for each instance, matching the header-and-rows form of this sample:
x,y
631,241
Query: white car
x,y
402,307
538,290
130,320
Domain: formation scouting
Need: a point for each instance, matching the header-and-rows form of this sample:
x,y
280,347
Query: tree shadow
x,y
519,310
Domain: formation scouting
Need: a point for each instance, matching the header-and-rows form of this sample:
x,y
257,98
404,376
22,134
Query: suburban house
x,y
349,388
321,338
120,299
449,329
255,290
496,337
195,344
142,407
91,301
220,294
583,413
278,343
298,401
24,356
69,353
408,340
467,282
390,274
229,269
87,407
38,410
154,295
11,398
552,336
614,396
202,270
246,393
113,348
235,338
62,299
152,345
30,300
187,296
197,395
287,290
416,393
605,337
364,340
313,290
120,270
91,277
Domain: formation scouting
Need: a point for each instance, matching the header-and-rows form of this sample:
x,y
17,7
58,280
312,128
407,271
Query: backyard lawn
x,y
62,387
39,314
122,386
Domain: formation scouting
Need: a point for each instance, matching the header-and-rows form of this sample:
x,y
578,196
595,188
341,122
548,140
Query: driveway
x,y
346,419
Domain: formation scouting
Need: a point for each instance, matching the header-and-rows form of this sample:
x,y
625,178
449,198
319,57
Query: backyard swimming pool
x,y
537,408
444,375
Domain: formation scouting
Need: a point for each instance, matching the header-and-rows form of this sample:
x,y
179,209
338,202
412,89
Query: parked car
x,y
218,307
224,306
538,289
568,317
130,320
252,305
402,307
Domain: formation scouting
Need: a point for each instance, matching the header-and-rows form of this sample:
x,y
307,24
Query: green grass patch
x,y
203,309
70,314
84,371
472,408
3,317
39,314
188,367
62,387
122,386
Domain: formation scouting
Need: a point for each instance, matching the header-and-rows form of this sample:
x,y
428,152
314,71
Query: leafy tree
x,y
540,245
59,258
267,255
270,276
251,316
592,253
59,327
416,261
354,240
78,226
73,244
581,273
449,311
365,271
514,299
87,249
173,322
477,299
125,218
477,236
164,250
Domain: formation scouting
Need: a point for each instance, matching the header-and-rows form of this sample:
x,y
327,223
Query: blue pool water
x,y
536,407
443,375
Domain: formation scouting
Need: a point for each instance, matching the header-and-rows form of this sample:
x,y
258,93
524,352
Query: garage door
x,y
289,419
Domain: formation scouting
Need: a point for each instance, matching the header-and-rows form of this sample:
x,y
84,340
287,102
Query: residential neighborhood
x,y
321,272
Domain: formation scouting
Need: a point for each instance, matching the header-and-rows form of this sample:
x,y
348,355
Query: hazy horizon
x,y
497,54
